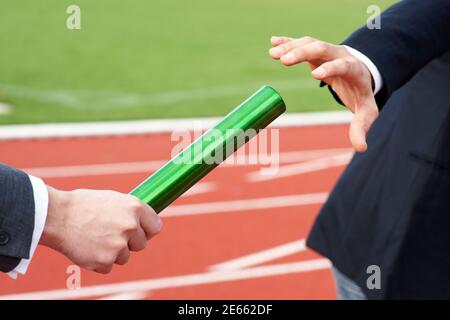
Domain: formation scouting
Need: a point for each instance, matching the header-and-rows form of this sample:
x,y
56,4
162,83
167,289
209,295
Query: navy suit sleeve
x,y
16,217
413,32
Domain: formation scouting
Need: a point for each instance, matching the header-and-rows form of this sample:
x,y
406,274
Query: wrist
x,y
377,80
58,204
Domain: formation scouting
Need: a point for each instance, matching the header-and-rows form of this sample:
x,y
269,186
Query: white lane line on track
x,y
95,169
200,188
303,167
176,281
150,166
261,256
136,127
243,262
245,205
137,295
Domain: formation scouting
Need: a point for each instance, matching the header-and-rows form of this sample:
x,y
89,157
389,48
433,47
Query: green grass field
x,y
158,59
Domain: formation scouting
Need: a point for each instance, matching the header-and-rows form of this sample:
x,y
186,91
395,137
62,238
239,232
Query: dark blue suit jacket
x,y
391,206
16,217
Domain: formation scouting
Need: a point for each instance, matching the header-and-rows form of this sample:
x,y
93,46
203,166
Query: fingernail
x,y
319,72
361,147
275,38
276,52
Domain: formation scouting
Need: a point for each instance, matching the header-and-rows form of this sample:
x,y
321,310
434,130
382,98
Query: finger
x,y
357,136
360,125
123,257
282,49
151,223
276,41
138,241
335,68
104,269
316,50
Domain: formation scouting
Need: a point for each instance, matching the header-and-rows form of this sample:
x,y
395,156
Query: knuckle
x,y
321,47
307,38
350,64
286,47
345,64
351,60
135,205
130,226
106,260
120,245
292,45
296,53
124,245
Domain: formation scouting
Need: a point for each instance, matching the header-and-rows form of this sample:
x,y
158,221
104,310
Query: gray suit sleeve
x,y
16,217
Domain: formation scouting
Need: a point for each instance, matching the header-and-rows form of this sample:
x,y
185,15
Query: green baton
x,y
194,162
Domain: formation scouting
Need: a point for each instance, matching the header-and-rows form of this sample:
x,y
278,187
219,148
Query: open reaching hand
x,y
347,75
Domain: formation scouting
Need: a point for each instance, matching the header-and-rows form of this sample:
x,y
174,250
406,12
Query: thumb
x,y
364,117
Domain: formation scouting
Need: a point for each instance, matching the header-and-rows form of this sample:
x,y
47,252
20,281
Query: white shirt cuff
x,y
40,194
376,75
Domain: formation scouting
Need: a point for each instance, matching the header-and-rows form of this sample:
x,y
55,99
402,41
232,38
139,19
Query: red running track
x,y
255,227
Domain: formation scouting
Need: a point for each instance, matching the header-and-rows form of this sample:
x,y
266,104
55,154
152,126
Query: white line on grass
x,y
4,108
106,100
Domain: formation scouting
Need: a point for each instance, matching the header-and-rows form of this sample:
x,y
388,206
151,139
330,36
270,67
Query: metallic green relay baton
x,y
194,162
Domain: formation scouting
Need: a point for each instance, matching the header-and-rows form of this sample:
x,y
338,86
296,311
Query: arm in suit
x,y
95,229
413,32
16,217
